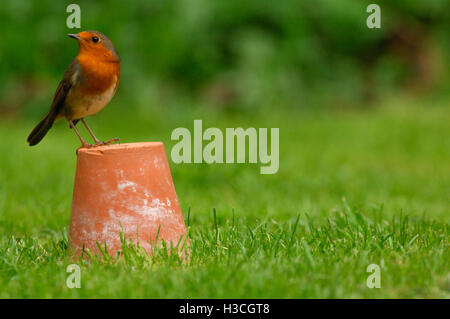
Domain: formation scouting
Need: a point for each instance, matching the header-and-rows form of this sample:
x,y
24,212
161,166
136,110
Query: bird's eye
x,y
94,39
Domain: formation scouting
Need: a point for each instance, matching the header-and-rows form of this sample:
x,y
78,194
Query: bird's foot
x,y
114,140
84,145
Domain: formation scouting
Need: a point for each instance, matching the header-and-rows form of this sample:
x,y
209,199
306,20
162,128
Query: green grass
x,y
354,188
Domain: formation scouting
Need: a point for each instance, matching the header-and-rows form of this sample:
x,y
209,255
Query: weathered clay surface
x,y
124,188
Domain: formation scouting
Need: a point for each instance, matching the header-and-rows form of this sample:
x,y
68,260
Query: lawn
x,y
355,187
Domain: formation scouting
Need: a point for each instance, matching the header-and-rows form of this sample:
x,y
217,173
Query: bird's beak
x,y
75,36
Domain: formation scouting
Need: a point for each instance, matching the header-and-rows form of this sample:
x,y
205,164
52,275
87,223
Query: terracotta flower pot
x,y
128,189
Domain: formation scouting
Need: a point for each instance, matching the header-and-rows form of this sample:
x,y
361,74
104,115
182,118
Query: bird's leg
x,y
113,140
97,142
83,143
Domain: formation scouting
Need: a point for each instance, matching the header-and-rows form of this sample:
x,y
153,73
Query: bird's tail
x,y
41,129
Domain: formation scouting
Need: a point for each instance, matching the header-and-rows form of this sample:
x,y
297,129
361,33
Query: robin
x,y
89,83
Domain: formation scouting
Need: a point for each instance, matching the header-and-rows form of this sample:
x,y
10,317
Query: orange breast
x,y
98,75
98,82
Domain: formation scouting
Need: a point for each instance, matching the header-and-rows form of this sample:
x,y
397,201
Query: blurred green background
x,y
232,54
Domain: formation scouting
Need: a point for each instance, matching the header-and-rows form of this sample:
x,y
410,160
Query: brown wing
x,y
71,78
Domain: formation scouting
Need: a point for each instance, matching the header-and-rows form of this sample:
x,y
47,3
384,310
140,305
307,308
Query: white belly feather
x,y
82,106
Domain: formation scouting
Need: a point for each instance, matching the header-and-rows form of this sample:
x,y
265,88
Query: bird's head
x,y
96,45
